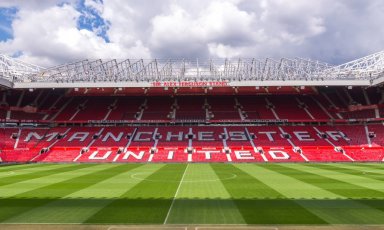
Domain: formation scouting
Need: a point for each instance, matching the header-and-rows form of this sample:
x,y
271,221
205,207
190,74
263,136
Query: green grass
x,y
297,194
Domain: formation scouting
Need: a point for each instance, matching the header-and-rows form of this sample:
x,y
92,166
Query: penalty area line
x,y
174,197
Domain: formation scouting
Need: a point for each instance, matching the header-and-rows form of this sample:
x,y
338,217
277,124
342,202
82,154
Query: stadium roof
x,y
366,71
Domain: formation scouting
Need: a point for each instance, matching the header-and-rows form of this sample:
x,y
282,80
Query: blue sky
x,y
6,17
52,32
91,20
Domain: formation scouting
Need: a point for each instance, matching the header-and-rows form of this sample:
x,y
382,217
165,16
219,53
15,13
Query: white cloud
x,y
50,37
332,31
220,22
33,4
121,17
223,51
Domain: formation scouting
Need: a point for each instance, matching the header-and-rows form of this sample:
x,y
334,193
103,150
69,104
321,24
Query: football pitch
x,y
192,194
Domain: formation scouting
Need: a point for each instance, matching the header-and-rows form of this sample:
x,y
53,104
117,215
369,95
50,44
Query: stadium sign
x,y
171,155
180,136
189,84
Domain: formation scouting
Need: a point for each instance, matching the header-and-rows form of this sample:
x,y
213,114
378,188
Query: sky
x,y
54,32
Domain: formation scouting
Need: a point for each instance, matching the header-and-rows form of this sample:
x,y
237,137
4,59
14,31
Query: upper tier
x,y
239,105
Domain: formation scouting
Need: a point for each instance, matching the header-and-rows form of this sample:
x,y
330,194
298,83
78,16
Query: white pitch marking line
x,y
143,227
177,192
232,226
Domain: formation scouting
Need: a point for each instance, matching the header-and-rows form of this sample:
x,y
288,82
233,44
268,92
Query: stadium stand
x,y
207,143
243,111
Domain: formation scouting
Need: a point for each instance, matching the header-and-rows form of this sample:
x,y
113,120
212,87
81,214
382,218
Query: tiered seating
x,y
76,137
209,154
172,139
134,154
70,112
365,153
61,155
355,134
25,98
208,147
193,144
29,137
114,137
323,154
245,154
305,136
322,99
209,136
223,108
96,109
313,108
187,131
18,155
378,138
190,108
126,109
288,108
337,97
364,100
7,142
334,136
50,98
97,103
240,139
255,107
267,136
170,154
143,137
52,105
158,108
282,154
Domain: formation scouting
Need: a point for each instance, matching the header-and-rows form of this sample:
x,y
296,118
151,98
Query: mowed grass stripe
x,y
360,165
31,199
360,172
22,187
316,178
379,166
9,168
202,199
332,207
288,186
41,172
367,187
80,205
26,170
147,202
365,213
259,203
367,169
